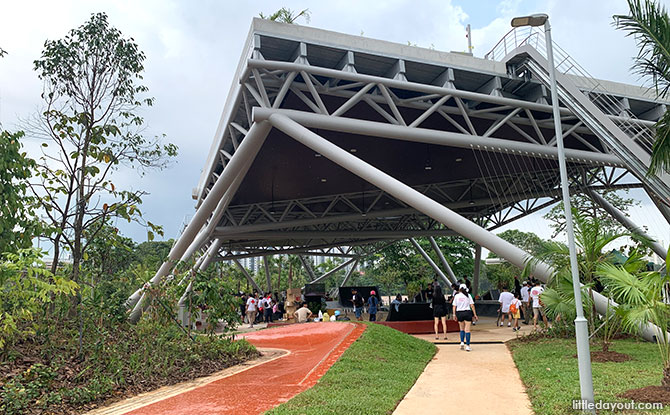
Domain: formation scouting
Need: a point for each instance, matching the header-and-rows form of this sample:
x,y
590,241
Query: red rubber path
x,y
313,347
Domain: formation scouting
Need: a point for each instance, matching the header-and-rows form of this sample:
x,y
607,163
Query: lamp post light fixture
x,y
581,325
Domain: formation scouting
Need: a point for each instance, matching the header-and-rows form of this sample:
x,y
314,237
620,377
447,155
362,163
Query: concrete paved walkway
x,y
491,383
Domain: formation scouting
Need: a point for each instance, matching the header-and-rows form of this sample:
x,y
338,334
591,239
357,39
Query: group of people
x,y
526,299
359,303
255,309
462,307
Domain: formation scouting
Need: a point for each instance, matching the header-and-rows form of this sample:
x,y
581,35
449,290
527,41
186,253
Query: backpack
x,y
512,308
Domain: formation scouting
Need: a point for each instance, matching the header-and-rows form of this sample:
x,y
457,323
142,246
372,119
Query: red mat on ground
x,y
420,326
313,347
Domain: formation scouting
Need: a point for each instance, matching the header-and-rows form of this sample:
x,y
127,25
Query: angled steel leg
x,y
247,276
247,150
308,267
201,265
430,261
351,271
443,260
429,207
627,223
333,271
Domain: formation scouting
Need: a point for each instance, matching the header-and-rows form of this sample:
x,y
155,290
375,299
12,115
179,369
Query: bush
x,y
124,357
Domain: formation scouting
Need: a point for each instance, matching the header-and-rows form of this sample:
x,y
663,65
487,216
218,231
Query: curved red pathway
x,y
313,347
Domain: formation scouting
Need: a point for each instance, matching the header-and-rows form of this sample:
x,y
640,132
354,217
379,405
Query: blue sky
x,y
193,47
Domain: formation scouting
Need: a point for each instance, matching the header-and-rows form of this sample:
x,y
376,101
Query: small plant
x,y
26,286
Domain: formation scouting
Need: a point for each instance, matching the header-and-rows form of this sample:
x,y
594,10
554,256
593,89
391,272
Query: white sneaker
x,y
462,345
467,348
509,324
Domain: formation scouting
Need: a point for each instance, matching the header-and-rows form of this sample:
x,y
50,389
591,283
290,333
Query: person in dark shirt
x,y
439,304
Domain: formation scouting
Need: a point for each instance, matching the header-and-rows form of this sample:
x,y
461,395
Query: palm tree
x,y
591,240
640,296
286,15
649,23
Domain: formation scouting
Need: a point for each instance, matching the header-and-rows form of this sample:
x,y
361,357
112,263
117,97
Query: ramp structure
x,y
337,145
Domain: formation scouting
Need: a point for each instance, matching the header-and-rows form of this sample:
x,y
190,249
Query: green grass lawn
x,y
371,377
549,371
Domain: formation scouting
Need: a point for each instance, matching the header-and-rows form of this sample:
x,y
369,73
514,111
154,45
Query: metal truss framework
x,y
340,92
482,112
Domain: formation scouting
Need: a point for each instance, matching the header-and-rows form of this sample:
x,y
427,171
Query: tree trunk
x,y
666,377
278,274
290,275
606,344
54,264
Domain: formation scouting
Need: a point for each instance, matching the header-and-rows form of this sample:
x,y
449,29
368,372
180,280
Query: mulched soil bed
x,y
69,372
610,356
648,394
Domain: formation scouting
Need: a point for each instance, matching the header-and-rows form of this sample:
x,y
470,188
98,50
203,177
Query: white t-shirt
x,y
303,314
252,304
535,293
505,299
517,302
463,302
267,303
525,293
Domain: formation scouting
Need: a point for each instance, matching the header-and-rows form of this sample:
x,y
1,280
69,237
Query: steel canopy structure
x,y
336,145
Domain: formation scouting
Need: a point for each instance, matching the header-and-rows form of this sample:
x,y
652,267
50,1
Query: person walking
x,y
439,304
515,311
268,304
465,314
373,302
525,298
357,301
243,306
505,300
252,309
535,294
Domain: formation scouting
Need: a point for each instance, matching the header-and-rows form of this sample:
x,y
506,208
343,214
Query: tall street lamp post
x,y
581,325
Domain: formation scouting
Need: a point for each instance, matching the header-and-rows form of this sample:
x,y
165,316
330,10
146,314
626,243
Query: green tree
x,y
18,223
649,24
92,95
153,253
503,274
286,15
587,208
108,256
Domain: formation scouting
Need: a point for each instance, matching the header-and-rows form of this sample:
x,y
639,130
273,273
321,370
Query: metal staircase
x,y
610,119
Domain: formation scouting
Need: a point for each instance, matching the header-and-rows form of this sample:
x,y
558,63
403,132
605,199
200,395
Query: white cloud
x,y
193,48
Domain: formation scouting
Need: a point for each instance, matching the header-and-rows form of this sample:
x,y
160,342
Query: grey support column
x,y
626,222
248,277
334,270
427,206
351,271
477,268
201,265
245,152
429,260
662,207
443,260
